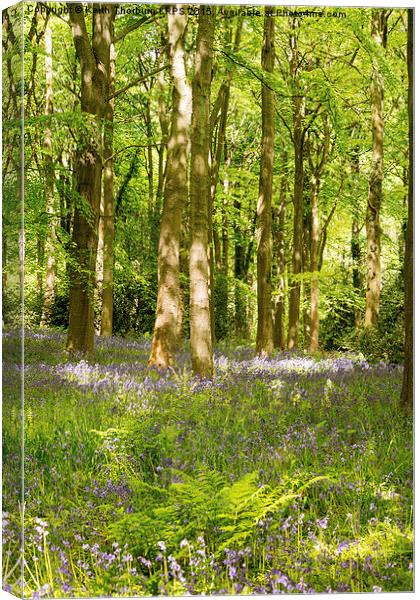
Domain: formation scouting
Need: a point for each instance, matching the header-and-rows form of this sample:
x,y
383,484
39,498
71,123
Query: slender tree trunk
x,y
298,115
108,209
239,273
64,185
217,249
100,260
210,251
315,239
407,390
130,174
94,60
215,257
373,228
243,256
264,345
279,337
40,255
225,213
200,319
49,290
222,106
356,251
150,176
403,232
167,324
164,121
356,254
317,166
306,268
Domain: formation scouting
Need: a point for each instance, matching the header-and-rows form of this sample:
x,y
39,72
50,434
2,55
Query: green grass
x,y
283,475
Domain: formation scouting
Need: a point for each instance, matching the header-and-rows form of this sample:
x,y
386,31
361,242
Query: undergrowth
x,y
281,475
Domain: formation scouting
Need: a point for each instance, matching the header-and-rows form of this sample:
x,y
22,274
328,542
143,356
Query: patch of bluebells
x,y
289,409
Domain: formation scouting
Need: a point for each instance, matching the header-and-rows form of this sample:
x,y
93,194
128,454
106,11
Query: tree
x,y
279,336
373,228
12,236
325,72
264,344
200,318
166,330
298,133
50,276
108,216
320,149
94,57
219,147
355,244
407,390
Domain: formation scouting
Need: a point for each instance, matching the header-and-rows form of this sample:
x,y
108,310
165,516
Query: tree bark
x,y
306,268
218,124
200,318
321,151
215,257
298,115
108,208
150,172
225,213
94,60
167,324
373,228
264,344
164,121
49,288
314,254
279,337
356,253
407,390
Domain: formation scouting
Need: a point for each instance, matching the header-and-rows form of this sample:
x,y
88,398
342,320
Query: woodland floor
x,y
292,474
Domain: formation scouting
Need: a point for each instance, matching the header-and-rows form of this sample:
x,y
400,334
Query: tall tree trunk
x,y
215,257
49,289
298,115
150,175
220,147
210,251
200,319
315,239
164,121
40,255
94,60
373,229
225,213
65,188
356,251
407,390
317,166
279,337
356,254
306,268
239,273
243,256
100,259
264,345
167,324
108,208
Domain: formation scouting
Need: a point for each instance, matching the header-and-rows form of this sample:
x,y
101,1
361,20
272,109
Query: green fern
x,y
227,515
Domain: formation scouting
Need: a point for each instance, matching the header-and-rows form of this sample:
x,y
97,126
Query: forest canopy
x,y
207,299
303,113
